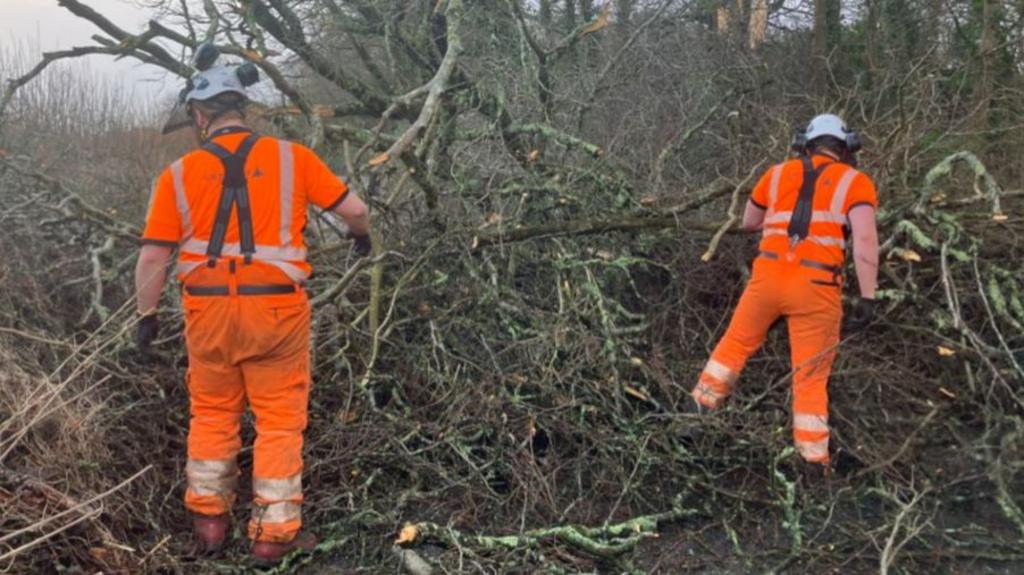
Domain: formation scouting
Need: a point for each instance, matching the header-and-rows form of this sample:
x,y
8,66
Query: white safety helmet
x,y
210,81
214,82
827,125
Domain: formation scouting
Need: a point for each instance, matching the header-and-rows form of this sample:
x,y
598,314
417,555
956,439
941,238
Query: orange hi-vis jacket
x,y
839,189
283,178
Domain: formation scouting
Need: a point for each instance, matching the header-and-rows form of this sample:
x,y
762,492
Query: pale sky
x,y
42,25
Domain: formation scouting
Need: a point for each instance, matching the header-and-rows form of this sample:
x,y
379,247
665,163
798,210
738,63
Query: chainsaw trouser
x,y
809,298
248,349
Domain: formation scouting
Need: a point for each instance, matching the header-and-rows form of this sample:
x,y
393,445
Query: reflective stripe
x,y
721,372
294,272
287,187
281,512
773,190
212,476
842,190
809,422
827,240
819,216
813,450
278,489
266,253
820,240
185,267
706,395
178,177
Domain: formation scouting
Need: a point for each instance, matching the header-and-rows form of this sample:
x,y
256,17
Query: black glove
x,y
362,245
861,316
147,330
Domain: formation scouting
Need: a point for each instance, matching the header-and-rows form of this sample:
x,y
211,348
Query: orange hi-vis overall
x,y
236,209
799,279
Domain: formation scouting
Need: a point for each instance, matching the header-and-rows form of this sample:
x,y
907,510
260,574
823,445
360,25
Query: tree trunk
x,y
544,12
758,25
872,37
826,37
819,50
587,10
987,54
624,9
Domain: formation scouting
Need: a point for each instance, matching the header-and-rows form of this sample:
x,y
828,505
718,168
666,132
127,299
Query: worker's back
x,y
839,188
281,177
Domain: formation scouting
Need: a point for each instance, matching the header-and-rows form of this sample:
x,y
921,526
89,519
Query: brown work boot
x,y
211,530
270,552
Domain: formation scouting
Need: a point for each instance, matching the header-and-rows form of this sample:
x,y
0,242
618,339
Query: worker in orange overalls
x,y
809,209
235,209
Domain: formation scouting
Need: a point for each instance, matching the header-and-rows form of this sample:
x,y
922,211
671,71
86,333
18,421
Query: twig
x,y
731,220
48,520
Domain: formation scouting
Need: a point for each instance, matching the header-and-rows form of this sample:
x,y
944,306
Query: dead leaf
x,y
938,198
253,55
494,218
605,255
100,554
907,255
408,534
648,200
348,417
636,393
911,256
378,160
636,362
424,309
531,427
945,351
534,156
599,23
1000,217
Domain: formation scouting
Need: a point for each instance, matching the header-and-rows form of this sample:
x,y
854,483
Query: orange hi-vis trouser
x,y
247,348
809,298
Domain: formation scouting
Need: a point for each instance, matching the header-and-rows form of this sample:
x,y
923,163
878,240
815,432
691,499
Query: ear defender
x,y
206,54
799,145
248,74
853,143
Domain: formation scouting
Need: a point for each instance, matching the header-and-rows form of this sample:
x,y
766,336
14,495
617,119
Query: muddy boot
x,y
271,552
211,531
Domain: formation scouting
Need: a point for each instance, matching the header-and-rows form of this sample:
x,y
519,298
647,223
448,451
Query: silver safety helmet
x,y
210,81
826,125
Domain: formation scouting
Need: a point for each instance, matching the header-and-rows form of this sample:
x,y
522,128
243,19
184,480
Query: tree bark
x,y
544,13
758,25
987,55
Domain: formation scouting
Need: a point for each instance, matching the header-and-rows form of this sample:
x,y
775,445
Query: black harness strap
x,y
800,221
235,190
